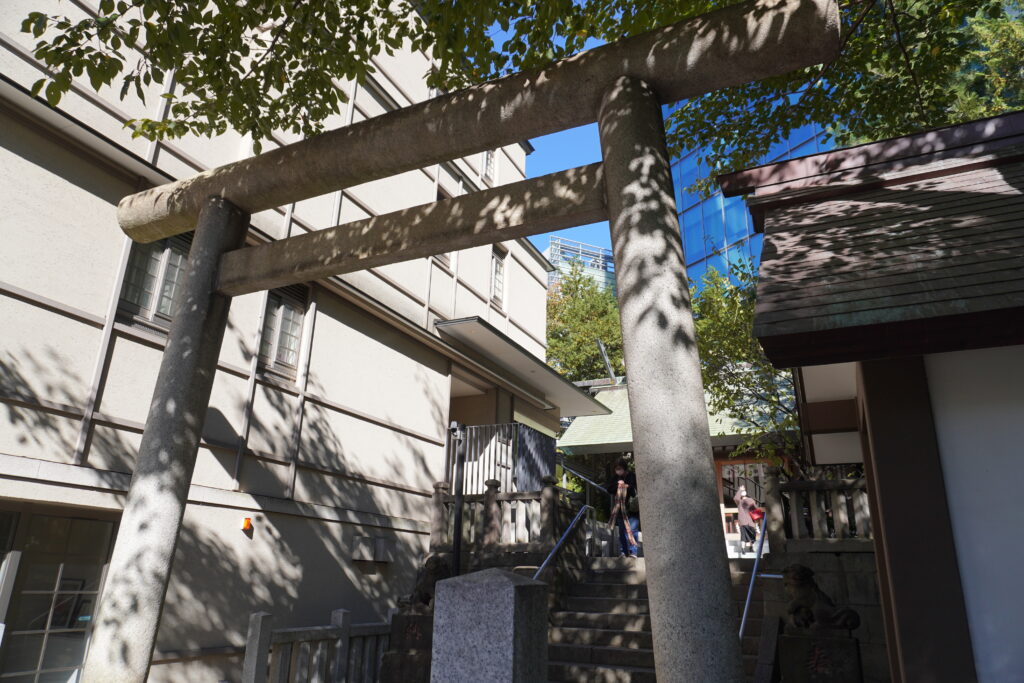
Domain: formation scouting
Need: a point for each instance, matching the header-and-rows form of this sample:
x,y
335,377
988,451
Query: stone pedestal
x,y
490,626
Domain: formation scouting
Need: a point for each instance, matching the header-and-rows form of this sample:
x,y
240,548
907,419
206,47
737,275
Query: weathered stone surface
x,y
490,626
735,45
687,573
529,207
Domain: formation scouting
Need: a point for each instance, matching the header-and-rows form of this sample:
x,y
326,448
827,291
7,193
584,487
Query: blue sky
x,y
557,152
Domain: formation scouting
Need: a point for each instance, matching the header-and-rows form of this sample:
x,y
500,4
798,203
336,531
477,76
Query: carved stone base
x,y
816,658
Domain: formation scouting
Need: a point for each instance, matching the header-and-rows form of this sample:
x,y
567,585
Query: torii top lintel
x,y
738,44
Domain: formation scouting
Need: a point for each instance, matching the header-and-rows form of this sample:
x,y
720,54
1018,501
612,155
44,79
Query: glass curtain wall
x,y
718,230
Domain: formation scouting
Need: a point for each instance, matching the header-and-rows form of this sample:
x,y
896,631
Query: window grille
x,y
281,338
154,280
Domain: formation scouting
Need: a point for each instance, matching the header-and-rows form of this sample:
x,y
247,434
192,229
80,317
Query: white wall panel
x,y
58,228
357,361
978,405
45,355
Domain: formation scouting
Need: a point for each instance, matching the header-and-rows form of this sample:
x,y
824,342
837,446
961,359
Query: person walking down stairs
x,y
746,506
625,513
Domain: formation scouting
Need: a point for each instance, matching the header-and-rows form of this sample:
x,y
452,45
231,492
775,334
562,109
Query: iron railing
x,y
561,541
515,455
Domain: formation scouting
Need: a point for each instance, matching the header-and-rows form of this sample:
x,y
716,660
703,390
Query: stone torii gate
x,y
621,86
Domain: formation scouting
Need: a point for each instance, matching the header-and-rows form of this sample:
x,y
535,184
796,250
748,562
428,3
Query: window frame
x,y
489,166
444,258
498,296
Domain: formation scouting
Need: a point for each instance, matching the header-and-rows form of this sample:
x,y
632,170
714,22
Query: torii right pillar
x,y
692,612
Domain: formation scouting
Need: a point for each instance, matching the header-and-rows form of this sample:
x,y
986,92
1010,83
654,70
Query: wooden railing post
x,y
492,515
257,648
776,512
439,518
816,504
840,517
548,511
341,618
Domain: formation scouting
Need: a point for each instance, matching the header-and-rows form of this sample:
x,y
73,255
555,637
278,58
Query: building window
x,y
154,279
282,331
488,166
498,276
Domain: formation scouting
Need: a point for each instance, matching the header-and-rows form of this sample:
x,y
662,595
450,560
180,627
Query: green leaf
x,y
53,94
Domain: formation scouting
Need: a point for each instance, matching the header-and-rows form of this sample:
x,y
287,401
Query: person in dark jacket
x,y
627,513
748,529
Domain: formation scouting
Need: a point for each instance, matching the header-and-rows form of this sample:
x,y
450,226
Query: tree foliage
x,y
579,313
260,66
739,380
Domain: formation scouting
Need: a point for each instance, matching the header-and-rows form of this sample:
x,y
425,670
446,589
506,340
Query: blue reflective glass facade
x,y
718,229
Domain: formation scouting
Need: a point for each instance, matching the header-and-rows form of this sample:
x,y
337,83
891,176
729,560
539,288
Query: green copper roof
x,y
614,434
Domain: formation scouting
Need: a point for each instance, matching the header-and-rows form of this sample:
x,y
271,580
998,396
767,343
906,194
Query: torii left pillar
x,y
126,624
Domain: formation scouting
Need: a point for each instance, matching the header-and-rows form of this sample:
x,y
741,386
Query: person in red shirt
x,y
748,529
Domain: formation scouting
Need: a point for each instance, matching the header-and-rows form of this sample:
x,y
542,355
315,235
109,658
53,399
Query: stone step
x,y
619,622
745,564
620,563
756,610
753,627
739,594
601,656
609,590
604,637
575,673
749,666
608,605
624,576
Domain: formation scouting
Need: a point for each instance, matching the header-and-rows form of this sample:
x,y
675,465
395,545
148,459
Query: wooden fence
x,y
514,520
818,515
341,652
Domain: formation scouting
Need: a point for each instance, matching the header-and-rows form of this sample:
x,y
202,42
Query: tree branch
x,y
906,58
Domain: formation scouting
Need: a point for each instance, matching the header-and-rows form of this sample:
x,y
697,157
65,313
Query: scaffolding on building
x,y
597,261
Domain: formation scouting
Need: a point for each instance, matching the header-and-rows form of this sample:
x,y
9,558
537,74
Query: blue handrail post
x,y
753,575
561,541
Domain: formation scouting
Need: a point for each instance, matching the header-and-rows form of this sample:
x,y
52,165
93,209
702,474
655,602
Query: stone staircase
x,y
604,634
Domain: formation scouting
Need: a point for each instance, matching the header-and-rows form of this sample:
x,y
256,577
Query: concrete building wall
x,y
978,404
347,447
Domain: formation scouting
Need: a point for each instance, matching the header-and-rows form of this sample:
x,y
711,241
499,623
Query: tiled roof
x,y
906,246
614,434
932,246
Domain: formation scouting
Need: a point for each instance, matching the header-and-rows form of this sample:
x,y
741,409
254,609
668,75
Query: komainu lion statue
x,y
809,607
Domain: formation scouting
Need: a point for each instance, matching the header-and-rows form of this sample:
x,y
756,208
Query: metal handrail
x,y
584,478
753,576
561,541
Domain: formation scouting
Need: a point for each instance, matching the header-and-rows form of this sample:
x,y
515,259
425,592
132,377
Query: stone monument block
x,y
490,626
